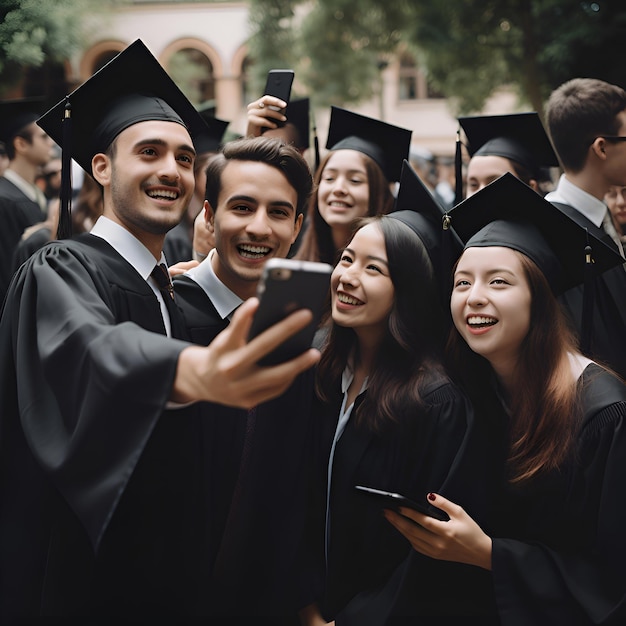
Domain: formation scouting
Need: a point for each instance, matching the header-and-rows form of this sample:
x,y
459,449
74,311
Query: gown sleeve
x,y
573,573
88,390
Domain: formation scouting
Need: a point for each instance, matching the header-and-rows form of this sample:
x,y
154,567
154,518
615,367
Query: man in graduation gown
x,y
262,492
22,203
587,122
101,503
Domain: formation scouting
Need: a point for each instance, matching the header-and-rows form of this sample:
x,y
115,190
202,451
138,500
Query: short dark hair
x,y
579,111
273,152
25,133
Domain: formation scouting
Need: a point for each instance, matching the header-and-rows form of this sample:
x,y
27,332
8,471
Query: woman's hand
x,y
460,539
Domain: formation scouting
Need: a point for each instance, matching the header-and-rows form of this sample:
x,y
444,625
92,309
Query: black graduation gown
x,y
17,212
98,484
559,548
177,246
429,449
608,342
264,500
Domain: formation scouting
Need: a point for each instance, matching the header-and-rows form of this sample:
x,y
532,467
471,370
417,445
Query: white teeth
x,y
478,320
163,193
250,251
345,299
341,205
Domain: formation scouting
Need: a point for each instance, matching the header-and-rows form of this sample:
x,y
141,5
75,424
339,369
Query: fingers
x,y
181,267
265,113
266,102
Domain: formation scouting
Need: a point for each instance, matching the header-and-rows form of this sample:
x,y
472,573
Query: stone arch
x,y
95,57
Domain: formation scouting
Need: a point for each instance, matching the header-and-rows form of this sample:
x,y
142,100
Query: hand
x,y
203,239
181,267
460,539
261,114
226,372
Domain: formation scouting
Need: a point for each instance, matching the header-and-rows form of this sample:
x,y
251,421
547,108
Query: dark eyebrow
x,y
251,200
369,256
159,142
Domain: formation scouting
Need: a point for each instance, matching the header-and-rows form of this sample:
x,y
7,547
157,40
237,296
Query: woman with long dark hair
x,y
555,546
399,423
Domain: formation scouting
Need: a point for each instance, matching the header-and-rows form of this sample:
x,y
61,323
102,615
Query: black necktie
x,y
162,278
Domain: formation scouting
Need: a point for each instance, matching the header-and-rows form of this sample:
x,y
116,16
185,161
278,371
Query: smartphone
x,y
391,500
287,285
278,84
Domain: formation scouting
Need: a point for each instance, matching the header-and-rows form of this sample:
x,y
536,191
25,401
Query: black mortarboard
x,y
508,213
520,137
416,207
212,139
388,145
297,113
15,115
133,87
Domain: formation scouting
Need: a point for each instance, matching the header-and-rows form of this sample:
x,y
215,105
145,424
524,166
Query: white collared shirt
x,y
133,251
31,191
586,204
344,416
224,300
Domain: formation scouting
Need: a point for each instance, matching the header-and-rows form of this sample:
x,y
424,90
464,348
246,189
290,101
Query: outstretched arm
x,y
226,370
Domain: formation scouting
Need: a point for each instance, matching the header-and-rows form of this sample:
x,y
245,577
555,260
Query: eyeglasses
x,y
613,137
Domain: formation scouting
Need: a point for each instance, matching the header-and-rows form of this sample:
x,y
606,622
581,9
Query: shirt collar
x,y
347,377
568,193
23,185
126,245
224,300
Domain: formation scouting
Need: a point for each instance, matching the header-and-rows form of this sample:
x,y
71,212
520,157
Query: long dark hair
x,y
410,352
317,240
544,407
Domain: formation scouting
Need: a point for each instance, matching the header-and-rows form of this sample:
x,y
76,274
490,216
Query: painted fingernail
x,y
431,496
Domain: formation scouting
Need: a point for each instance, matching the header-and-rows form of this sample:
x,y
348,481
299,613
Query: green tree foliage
x,y
468,48
33,32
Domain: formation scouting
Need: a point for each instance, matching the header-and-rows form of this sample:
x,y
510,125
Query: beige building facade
x,y
216,34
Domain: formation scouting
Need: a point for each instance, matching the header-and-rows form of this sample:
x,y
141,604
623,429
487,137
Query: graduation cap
x,y
212,139
388,145
297,112
508,213
15,115
519,137
133,87
416,207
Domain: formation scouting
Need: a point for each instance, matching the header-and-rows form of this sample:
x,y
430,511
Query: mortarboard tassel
x,y
588,301
458,170
316,145
64,229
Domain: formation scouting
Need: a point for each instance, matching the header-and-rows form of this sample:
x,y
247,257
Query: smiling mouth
x,y
335,204
163,194
480,321
344,298
249,251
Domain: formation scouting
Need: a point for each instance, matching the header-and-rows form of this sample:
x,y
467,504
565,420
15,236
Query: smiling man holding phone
x,y
258,461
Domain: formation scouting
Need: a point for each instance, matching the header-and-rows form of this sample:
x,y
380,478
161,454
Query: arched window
x,y
192,71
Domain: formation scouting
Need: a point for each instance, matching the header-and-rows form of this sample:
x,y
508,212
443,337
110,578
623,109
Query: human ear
x,y
209,216
101,168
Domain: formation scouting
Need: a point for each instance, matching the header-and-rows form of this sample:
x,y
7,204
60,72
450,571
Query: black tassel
x,y
588,302
458,170
316,145
64,230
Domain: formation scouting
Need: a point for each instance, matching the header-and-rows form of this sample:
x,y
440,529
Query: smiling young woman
x,y
554,546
